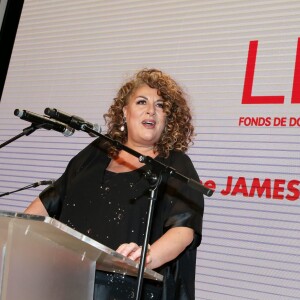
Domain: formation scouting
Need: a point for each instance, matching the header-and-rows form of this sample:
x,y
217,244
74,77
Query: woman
x,y
104,194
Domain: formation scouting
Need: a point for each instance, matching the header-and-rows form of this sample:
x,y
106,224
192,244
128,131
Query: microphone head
x,y
51,112
18,112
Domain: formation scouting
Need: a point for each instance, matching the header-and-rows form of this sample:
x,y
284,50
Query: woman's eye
x,y
141,101
160,104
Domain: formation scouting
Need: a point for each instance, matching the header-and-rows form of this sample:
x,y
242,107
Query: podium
x,y
42,258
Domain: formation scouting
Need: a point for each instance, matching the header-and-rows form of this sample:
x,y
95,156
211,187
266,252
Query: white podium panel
x,y
42,258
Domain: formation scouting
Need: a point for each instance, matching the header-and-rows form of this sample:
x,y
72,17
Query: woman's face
x,y
145,117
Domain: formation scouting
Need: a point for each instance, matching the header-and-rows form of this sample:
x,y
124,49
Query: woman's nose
x,y
151,110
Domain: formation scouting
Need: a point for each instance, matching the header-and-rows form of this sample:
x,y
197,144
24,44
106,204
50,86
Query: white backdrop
x,y
73,57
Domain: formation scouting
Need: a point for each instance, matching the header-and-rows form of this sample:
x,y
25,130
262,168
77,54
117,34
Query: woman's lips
x,y
149,123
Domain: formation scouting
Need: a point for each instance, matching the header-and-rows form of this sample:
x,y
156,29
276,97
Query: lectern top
x,y
106,259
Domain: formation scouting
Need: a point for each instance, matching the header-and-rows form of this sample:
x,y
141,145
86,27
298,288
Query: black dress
x,y
112,209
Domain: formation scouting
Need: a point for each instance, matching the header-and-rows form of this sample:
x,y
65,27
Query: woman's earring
x,y
122,128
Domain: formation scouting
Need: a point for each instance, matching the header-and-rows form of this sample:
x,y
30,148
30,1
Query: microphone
x,y
45,122
43,182
73,121
32,185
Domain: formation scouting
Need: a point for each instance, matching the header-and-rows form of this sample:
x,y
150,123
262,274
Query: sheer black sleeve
x,y
184,205
53,196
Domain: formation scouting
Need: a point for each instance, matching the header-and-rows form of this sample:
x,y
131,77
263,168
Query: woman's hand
x,y
134,252
165,249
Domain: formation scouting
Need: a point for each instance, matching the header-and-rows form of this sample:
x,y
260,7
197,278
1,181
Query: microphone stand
x,y
26,131
154,184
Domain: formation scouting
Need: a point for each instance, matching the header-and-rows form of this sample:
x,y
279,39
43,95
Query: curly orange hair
x,y
178,132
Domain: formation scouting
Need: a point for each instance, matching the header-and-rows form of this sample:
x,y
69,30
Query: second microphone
x,y
72,120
